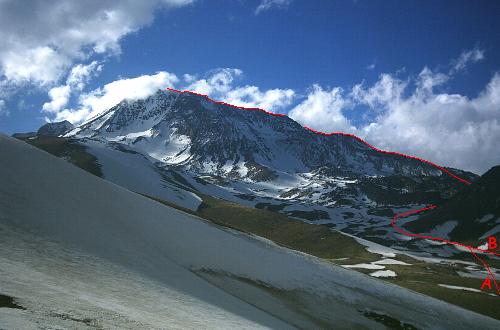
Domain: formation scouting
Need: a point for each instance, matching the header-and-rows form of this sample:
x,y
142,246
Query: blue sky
x,y
392,72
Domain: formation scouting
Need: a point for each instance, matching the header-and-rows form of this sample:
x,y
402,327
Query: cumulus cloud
x,y
386,90
218,82
76,80
41,65
416,117
59,98
80,74
323,110
40,40
251,97
265,5
450,129
221,85
101,99
428,80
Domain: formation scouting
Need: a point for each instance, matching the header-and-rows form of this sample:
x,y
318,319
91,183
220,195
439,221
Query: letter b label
x,y
492,243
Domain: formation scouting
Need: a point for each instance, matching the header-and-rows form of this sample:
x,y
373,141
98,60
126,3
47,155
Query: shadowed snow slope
x,y
79,249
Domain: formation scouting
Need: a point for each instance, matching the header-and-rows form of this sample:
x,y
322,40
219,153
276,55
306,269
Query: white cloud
x,y
40,65
220,85
76,80
449,129
101,99
265,5
40,40
412,117
468,56
251,97
428,80
189,78
80,74
59,98
322,110
3,110
386,90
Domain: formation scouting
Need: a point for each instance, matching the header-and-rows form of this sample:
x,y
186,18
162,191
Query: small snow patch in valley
x,y
376,248
486,218
454,287
364,266
483,246
434,242
383,273
390,262
444,230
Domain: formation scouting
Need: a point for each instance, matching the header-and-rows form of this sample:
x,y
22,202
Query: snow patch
x,y
443,230
365,266
454,287
390,262
384,273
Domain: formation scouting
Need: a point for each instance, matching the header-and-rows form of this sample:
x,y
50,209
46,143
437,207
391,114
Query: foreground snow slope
x,y
155,262
62,288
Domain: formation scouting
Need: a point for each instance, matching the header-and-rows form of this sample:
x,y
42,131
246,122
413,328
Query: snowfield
x,y
136,173
79,252
66,289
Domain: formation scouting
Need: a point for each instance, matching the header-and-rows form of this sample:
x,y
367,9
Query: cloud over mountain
x,y
414,114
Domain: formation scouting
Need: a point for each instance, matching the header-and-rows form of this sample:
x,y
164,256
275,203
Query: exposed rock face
x,y
55,129
188,130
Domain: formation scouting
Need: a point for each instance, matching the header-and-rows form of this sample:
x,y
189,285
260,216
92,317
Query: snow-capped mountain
x,y
189,130
187,151
257,159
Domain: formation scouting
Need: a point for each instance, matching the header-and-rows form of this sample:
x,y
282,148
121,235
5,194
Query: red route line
x,y
397,216
488,269
470,248
442,169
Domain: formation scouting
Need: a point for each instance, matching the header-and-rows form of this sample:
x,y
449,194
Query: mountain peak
x,y
191,130
55,128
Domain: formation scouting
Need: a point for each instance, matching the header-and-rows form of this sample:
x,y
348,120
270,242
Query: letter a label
x,y
487,282
492,243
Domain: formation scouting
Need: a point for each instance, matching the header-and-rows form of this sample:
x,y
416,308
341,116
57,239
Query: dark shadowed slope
x,y
474,211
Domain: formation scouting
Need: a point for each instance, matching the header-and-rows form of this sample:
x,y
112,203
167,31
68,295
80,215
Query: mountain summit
x,y
55,128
